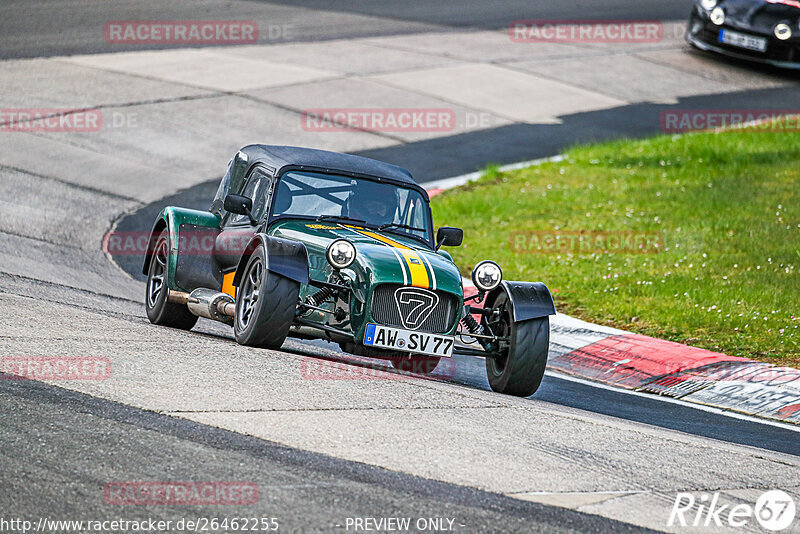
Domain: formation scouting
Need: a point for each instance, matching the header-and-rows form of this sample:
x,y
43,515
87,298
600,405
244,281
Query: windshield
x,y
397,209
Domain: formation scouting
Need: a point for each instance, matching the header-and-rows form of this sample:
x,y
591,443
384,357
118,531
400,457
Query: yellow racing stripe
x,y
416,267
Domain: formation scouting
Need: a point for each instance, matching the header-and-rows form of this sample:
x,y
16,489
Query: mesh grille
x,y
385,311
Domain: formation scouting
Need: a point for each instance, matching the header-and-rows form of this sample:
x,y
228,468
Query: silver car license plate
x,y
742,40
386,337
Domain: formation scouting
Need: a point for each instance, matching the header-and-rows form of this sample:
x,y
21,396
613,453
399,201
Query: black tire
x,y
520,370
421,365
265,305
159,310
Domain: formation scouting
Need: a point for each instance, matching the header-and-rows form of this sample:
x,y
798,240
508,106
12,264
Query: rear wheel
x,y
520,367
422,365
159,310
265,305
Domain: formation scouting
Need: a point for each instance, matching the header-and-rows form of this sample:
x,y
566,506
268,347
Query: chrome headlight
x,y
341,253
717,16
708,5
487,275
783,31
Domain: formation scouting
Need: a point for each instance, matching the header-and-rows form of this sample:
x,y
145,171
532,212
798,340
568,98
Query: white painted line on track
x,y
455,181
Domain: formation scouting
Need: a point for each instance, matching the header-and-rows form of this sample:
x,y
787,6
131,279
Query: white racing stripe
x,y
430,268
402,264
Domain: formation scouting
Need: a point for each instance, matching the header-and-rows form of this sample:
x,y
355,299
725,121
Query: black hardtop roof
x,y
282,157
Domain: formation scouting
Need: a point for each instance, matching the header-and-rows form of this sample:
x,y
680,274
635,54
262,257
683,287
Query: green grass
x,y
727,205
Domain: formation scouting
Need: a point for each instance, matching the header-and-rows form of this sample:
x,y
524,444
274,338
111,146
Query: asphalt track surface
x,y
36,28
59,447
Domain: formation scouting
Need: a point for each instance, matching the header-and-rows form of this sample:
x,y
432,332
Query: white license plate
x,y
742,40
386,337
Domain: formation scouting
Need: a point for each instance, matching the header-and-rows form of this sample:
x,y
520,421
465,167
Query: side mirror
x,y
448,236
240,205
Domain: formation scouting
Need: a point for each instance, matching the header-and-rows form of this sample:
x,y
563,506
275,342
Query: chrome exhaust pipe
x,y
177,297
211,304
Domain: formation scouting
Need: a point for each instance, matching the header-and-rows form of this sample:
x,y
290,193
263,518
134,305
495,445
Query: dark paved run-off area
x,y
78,444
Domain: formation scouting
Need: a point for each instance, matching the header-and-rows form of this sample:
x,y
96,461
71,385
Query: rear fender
x,y
158,227
173,218
285,257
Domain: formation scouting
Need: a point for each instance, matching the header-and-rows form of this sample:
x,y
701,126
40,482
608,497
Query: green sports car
x,y
314,244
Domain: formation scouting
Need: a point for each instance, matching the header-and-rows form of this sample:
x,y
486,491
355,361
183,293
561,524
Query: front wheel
x,y
156,299
519,368
265,305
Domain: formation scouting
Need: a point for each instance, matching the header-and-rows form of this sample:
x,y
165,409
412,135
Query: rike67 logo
x,y
774,510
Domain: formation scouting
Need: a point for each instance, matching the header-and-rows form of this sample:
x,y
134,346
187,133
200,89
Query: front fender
x,y
284,257
531,300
